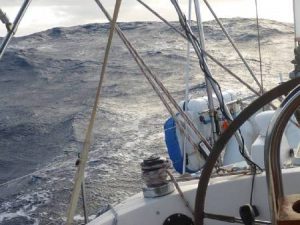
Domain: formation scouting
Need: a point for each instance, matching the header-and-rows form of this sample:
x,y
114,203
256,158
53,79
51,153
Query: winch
x,y
154,174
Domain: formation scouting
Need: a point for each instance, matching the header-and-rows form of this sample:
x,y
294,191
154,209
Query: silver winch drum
x,y
154,174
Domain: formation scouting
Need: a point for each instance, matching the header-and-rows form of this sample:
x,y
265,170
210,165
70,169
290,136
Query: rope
x,y
259,48
153,80
79,176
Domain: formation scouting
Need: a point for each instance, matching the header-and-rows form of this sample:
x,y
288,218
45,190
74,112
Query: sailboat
x,y
244,184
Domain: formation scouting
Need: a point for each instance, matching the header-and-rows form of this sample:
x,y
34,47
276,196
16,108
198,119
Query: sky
x,y
45,14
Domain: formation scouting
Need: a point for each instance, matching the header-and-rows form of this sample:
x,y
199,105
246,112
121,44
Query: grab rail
x,y
283,209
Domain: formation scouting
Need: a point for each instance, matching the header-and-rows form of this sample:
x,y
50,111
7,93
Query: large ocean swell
x,y
47,87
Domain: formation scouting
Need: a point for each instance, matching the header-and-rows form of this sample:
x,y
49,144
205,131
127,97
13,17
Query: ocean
x,y
48,83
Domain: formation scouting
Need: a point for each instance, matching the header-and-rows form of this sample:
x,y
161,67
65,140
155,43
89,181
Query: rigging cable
x,y
187,65
206,53
163,88
259,48
214,83
152,78
254,168
187,87
79,176
211,107
232,43
197,46
202,62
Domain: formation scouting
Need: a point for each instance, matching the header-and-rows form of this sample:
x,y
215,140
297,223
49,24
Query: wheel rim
x,y
260,102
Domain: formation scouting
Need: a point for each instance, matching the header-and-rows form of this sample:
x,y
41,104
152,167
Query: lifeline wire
x,y
79,176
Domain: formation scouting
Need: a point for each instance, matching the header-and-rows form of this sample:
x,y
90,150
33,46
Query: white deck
x,y
225,196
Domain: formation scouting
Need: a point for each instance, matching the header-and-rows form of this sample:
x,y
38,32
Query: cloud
x,y
45,14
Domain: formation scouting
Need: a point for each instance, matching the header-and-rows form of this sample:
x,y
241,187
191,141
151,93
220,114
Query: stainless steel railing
x,y
272,152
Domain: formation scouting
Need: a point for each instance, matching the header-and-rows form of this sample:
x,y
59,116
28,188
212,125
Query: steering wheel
x,y
260,102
